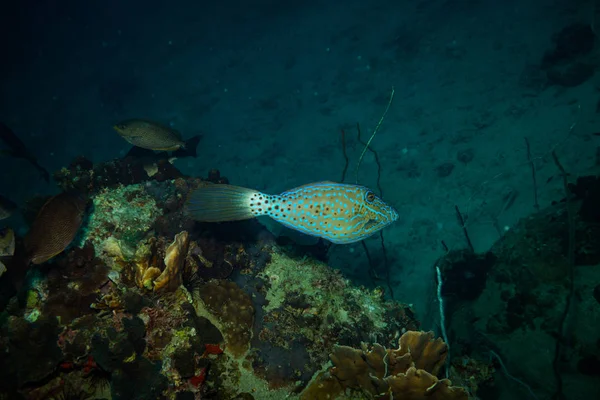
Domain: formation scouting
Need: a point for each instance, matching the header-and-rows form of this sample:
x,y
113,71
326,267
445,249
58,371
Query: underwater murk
x,y
134,280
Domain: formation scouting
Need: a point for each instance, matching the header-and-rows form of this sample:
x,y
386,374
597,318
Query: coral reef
x,y
152,274
120,217
7,242
147,304
475,375
230,309
82,175
7,246
408,372
307,302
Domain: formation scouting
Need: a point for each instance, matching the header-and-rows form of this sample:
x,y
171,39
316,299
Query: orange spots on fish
x,y
340,213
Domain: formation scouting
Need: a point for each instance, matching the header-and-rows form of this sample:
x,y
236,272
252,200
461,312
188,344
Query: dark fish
x,y
16,148
155,136
55,227
7,207
338,212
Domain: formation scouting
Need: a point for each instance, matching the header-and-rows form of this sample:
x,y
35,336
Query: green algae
x,y
122,215
325,291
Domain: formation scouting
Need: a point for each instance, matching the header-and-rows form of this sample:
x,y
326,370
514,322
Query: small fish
x,y
55,227
338,212
154,136
17,149
7,207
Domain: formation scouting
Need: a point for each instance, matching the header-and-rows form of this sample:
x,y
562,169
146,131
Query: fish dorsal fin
x,y
318,183
310,186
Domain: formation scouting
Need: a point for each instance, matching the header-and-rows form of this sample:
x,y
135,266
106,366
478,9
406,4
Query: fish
x,y
54,227
16,148
337,212
7,207
155,136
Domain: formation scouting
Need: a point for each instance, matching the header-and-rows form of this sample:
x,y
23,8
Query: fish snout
x,y
120,128
394,215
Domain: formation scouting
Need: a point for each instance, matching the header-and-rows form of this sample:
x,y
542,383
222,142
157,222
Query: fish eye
x,y
370,197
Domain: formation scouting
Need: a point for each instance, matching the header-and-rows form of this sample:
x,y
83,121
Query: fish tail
x,y
219,203
189,149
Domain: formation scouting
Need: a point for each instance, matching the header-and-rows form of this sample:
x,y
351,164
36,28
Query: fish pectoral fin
x,y
370,223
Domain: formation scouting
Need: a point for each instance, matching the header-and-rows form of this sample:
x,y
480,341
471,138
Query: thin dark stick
x,y
386,263
372,272
380,189
571,284
345,157
445,246
461,222
536,205
376,160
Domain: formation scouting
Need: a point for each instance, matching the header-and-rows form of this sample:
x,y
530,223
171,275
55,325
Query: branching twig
x,y
442,316
373,134
461,222
571,284
509,376
379,188
532,165
345,157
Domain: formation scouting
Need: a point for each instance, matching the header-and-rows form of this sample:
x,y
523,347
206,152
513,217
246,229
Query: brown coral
x,y
417,384
170,279
230,309
404,373
426,353
163,275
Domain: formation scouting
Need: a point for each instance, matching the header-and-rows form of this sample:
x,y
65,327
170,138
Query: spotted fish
x,y
338,212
